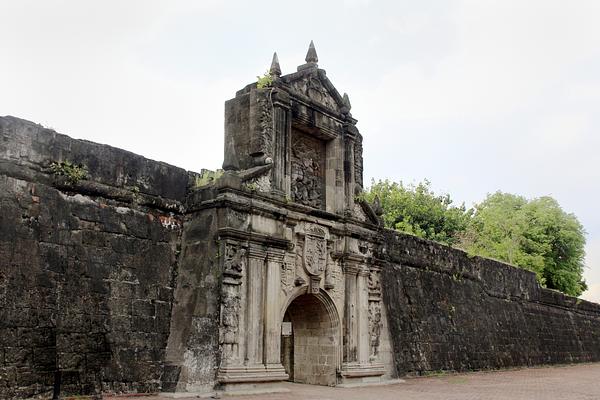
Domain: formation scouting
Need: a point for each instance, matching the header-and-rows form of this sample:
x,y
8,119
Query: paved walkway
x,y
576,382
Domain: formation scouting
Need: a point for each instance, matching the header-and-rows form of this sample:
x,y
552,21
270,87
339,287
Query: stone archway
x,y
310,341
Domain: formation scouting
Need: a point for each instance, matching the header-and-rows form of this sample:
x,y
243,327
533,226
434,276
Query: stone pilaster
x,y
254,305
272,317
350,315
358,365
362,302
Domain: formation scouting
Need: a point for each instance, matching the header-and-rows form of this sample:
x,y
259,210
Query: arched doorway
x,y
309,341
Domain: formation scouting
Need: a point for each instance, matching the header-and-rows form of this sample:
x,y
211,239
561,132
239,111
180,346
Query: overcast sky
x,y
476,96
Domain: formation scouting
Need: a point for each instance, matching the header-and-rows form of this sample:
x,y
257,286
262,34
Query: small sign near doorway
x,y
286,328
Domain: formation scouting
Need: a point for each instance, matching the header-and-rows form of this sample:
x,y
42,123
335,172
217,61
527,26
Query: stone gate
x,y
301,293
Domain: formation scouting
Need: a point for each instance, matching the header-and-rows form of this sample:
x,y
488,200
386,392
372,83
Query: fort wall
x,y
449,311
88,269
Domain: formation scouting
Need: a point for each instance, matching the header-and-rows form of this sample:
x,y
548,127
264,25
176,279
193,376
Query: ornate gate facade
x,y
294,239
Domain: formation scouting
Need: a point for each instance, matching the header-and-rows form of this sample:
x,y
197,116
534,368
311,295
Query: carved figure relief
x,y
308,170
374,283
374,327
233,265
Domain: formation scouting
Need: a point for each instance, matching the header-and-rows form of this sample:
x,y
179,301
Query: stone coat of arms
x,y
315,255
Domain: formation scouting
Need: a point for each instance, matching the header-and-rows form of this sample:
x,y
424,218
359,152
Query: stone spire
x,y
275,69
311,55
346,101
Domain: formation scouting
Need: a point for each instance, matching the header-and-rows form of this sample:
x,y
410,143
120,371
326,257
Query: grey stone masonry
x,y
120,274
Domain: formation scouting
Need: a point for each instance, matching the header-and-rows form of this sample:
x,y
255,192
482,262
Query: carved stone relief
x,y
334,280
359,214
234,262
308,170
264,138
230,323
315,255
314,89
288,273
374,286
374,327
358,162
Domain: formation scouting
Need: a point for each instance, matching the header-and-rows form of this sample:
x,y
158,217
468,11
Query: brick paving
x,y
573,382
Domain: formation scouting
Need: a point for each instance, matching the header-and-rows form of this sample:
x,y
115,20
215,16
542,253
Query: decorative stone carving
x,y
288,273
308,170
358,213
230,315
298,269
374,327
265,136
374,284
233,264
313,88
315,284
334,280
358,162
315,255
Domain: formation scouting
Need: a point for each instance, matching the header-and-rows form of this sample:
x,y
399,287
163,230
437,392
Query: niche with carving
x,y
308,169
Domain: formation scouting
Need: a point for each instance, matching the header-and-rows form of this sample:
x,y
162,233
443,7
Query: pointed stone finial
x,y
311,55
275,69
346,101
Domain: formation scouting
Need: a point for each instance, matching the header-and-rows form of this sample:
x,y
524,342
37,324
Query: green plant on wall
x,y
207,177
264,81
73,172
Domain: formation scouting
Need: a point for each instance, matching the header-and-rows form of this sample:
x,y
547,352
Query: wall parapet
x,y
27,150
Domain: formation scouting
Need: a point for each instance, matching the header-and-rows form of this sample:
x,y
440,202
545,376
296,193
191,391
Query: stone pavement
x,y
573,382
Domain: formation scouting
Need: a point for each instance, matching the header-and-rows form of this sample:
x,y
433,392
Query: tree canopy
x,y
534,234
417,210
537,235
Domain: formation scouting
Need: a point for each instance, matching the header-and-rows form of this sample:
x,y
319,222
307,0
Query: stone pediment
x,y
313,86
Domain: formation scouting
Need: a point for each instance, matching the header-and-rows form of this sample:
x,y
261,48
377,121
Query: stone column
x,y
272,318
362,305
350,314
254,305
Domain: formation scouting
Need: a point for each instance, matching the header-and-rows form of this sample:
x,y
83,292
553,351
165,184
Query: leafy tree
x,y
417,210
536,235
